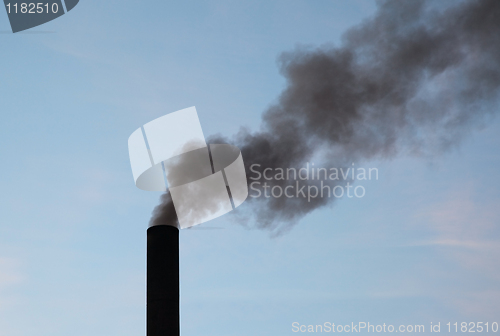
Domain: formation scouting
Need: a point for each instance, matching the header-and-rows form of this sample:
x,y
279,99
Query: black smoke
x,y
411,80
164,213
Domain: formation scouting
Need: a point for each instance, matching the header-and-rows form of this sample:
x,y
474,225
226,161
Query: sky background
x,y
422,246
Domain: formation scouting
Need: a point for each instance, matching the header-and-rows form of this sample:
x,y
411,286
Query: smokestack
x,y
199,180
162,298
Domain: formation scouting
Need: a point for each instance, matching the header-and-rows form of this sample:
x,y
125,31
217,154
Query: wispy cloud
x,y
464,228
484,303
9,272
462,219
10,275
470,244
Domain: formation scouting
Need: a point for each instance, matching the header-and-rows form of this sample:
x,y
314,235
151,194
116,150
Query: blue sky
x,y
422,246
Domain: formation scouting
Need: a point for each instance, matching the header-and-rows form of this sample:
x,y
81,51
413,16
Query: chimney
x,y
162,298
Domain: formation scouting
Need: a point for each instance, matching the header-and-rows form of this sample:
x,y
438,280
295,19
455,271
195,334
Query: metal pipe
x,y
162,293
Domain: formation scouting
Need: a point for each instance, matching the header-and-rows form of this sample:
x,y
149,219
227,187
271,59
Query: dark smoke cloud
x,y
413,80
164,213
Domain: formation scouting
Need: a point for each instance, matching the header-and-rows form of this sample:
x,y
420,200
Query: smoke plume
x,y
411,80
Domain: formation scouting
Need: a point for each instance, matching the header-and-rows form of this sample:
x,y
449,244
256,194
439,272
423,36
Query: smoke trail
x,y
411,80
164,213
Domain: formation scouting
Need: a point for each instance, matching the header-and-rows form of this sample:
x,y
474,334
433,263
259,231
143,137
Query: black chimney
x,y
162,297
